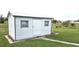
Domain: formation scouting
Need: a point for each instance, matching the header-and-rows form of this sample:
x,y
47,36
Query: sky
x,y
57,9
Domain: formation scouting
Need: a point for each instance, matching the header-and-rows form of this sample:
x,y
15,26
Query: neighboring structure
x,y
23,27
75,22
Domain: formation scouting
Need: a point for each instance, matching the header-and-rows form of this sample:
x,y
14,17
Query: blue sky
x,y
59,9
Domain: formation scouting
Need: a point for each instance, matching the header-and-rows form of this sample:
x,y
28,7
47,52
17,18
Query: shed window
x,y
46,23
24,23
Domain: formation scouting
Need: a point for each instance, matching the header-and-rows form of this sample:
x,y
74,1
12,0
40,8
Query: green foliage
x,y
54,21
72,25
76,20
6,19
1,19
66,23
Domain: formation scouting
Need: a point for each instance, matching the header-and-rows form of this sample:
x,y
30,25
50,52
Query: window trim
x,y
46,23
25,26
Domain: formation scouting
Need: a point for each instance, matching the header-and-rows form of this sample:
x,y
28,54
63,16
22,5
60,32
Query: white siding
x,y
37,30
22,33
11,26
40,27
46,29
31,31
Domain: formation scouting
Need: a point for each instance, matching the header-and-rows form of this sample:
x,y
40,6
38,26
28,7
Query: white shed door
x,y
37,24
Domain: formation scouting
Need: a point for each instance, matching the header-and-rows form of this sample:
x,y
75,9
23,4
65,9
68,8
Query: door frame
x,y
34,31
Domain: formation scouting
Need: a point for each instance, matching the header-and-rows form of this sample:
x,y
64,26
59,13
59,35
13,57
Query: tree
x,y
1,19
77,20
66,23
72,25
6,19
54,21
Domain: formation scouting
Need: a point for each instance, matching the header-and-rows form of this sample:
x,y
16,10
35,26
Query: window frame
x,y
24,26
46,23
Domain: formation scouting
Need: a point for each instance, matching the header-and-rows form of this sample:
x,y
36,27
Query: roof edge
x,y
8,14
32,17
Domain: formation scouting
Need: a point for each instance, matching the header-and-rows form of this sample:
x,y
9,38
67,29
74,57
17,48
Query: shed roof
x,y
16,14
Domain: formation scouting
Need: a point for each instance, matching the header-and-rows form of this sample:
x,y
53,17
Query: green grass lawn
x,y
65,34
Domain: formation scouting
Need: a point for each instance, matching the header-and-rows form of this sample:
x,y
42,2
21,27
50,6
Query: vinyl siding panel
x,y
23,33
36,28
11,26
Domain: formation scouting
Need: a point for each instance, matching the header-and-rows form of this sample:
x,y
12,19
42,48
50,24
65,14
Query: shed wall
x,y
22,33
46,29
28,32
11,26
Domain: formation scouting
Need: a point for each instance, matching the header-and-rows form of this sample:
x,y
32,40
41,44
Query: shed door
x,y
37,27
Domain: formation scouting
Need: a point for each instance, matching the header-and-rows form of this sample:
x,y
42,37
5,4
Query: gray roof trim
x,y
32,17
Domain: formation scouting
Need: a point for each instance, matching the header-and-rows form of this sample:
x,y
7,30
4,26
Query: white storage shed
x,y
23,27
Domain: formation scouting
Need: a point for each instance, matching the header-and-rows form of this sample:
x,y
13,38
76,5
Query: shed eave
x,y
32,17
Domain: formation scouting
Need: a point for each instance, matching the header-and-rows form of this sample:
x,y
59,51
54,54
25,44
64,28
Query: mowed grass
x,y
30,42
3,32
66,34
